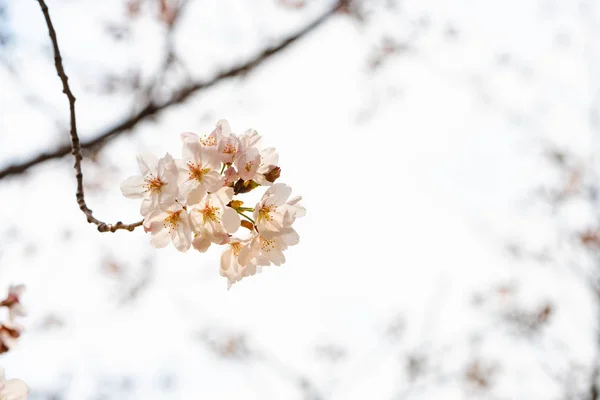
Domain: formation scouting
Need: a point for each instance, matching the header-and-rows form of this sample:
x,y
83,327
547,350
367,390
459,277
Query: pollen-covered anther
x,y
249,165
173,220
266,244
265,212
208,141
196,172
153,183
236,247
210,213
229,149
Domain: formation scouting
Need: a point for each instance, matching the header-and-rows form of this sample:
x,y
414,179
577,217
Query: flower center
x,y
265,212
196,172
210,213
229,149
236,247
173,220
249,166
208,141
153,184
266,244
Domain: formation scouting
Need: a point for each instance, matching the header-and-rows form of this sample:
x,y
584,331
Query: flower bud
x,y
235,204
242,186
273,174
247,224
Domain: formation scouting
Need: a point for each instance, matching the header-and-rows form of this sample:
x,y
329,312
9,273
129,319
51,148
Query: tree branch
x,y
75,144
178,97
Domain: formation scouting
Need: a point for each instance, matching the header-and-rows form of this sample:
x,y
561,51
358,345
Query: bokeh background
x,y
447,153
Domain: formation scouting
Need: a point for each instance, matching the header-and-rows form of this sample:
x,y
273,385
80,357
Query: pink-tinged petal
x,y
231,220
299,210
148,206
249,139
228,149
278,193
262,261
191,151
188,187
222,196
268,159
227,258
15,389
183,172
210,158
231,176
168,194
290,237
201,242
154,220
219,237
161,238
223,128
249,252
16,290
213,181
189,136
275,256
196,218
248,164
133,187
181,235
147,163
196,195
166,164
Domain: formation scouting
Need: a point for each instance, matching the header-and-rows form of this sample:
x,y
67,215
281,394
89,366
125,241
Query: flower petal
x,y
15,389
231,220
147,163
133,187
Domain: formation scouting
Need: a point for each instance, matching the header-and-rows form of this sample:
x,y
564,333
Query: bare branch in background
x,y
179,96
75,144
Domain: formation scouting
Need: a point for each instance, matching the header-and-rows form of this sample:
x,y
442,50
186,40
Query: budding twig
x,y
75,144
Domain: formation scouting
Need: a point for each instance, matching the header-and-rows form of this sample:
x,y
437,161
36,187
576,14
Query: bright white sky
x,y
413,177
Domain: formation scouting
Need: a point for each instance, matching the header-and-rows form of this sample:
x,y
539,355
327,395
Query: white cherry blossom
x,y
210,141
248,140
157,184
274,214
248,163
198,170
212,220
231,267
271,249
170,224
228,149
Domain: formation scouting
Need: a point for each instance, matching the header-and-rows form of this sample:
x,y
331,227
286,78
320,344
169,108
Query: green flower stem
x,y
245,216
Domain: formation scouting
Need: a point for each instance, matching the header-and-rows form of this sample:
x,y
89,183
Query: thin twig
x,y
75,144
179,96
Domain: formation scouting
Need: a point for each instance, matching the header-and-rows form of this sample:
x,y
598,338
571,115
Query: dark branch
x,y
178,97
75,144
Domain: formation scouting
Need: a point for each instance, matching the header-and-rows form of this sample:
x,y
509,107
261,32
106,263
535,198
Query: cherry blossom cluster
x,y
10,331
192,201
